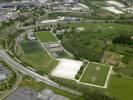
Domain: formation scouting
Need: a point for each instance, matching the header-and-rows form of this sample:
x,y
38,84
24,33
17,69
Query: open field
x,y
95,74
127,68
121,88
46,37
37,57
110,28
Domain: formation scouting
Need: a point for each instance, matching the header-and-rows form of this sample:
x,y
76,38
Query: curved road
x,y
5,57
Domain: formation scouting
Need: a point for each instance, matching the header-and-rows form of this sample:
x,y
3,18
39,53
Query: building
x,y
21,37
2,77
4,72
70,1
31,35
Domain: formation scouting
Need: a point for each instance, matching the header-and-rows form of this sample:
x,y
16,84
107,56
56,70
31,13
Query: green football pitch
x,y
95,74
46,37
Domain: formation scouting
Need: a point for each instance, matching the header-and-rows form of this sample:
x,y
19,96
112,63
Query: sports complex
x,y
35,53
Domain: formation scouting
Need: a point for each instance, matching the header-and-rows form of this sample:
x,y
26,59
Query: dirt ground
x,y
112,58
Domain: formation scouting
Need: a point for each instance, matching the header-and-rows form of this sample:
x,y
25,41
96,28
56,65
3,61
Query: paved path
x,y
15,86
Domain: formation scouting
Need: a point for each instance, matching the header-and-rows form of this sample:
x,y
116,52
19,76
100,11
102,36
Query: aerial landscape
x,y
66,49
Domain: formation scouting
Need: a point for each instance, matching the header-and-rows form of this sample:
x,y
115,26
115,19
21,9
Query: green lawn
x,y
121,88
105,29
95,74
46,37
37,57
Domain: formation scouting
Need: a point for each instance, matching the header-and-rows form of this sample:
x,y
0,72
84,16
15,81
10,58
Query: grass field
x,y
95,74
128,66
46,37
31,47
121,88
105,29
37,57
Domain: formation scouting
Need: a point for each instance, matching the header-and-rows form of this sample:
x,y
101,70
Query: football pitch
x,y
95,74
46,37
31,47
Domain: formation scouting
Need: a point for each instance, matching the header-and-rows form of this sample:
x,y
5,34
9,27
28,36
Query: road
x,y
6,58
65,22
15,86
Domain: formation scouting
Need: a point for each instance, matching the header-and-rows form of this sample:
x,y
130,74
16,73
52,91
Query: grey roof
x,y
57,49
23,94
4,70
2,77
51,45
54,55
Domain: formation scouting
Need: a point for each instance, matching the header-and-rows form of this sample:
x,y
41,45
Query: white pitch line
x,y
98,86
107,79
100,63
84,71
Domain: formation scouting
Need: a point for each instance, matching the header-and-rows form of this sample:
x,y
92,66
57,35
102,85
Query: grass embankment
x,y
121,88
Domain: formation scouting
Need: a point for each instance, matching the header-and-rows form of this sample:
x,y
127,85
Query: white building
x,y
31,35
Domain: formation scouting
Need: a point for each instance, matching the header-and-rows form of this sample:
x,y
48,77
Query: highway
x,y
6,58
83,21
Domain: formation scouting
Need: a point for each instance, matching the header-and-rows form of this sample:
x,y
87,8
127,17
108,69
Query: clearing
x,y
67,68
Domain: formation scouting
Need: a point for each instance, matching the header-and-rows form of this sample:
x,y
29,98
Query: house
x,y
31,35
4,72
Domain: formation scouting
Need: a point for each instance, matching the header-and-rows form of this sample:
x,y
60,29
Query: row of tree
x,y
88,94
123,39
